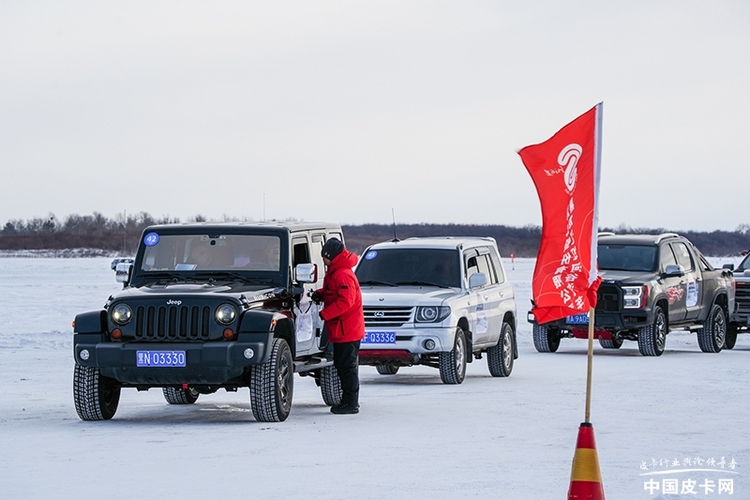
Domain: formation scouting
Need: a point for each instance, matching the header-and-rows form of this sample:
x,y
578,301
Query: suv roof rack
x,y
664,236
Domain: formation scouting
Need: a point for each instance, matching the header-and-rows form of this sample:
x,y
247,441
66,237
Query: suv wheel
x,y
545,339
614,343
95,396
653,338
500,356
711,337
180,396
453,363
272,385
387,369
731,339
330,386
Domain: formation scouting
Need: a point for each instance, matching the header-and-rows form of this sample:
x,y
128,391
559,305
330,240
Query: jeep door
x,y
307,321
675,287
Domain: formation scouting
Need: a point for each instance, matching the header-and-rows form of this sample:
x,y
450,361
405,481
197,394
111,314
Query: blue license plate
x,y
379,338
160,359
578,319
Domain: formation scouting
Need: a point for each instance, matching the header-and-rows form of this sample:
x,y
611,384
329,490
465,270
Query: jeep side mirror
x,y
674,270
123,272
477,279
306,273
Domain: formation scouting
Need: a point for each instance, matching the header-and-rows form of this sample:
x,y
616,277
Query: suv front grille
x,y
172,322
608,298
376,317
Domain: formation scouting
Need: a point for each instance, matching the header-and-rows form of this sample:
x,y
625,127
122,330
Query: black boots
x,y
345,409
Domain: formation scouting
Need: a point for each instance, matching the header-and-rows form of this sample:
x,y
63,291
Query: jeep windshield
x,y
412,266
193,255
635,258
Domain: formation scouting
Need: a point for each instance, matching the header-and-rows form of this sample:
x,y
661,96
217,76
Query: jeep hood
x,y
196,290
406,295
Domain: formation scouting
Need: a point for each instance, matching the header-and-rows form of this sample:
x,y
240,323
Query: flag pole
x,y
590,366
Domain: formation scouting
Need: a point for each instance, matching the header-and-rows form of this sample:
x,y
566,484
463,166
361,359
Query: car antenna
x,y
395,238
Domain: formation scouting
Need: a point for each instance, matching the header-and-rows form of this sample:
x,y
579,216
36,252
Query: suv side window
x,y
485,266
683,256
495,261
479,264
666,257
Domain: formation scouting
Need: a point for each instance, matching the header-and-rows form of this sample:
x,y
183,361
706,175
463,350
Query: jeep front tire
x,y
272,384
95,396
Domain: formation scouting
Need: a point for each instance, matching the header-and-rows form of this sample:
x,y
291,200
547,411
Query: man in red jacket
x,y
344,320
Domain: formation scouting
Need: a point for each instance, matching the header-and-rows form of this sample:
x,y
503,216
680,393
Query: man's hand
x,y
316,297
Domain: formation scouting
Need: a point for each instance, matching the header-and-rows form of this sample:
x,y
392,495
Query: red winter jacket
x,y
342,300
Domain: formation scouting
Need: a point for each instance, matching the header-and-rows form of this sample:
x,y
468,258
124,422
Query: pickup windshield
x,y
744,265
636,258
427,267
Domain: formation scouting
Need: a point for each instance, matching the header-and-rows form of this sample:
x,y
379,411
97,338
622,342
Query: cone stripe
x,y
586,466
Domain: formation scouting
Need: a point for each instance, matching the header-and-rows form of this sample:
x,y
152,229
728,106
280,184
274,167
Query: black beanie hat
x,y
332,248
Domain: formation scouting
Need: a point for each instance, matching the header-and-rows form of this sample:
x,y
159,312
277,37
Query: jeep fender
x,y
91,322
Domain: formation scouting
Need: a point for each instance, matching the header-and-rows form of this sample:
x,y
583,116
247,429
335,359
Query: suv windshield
x,y
438,267
203,252
626,257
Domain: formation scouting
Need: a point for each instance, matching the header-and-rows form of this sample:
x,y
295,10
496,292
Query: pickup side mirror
x,y
674,270
477,279
123,272
306,273
728,266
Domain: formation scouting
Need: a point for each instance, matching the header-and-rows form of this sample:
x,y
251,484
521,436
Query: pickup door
x,y
695,295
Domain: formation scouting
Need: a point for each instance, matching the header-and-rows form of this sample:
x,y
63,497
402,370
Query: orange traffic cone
x,y
585,478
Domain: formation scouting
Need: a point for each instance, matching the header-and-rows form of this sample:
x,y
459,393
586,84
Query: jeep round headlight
x,y
225,314
121,314
432,314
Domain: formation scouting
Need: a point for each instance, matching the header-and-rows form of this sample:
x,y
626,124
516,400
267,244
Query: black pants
x,y
346,361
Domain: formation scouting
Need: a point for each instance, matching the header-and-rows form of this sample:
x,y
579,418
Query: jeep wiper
x,y
218,275
167,276
376,282
424,283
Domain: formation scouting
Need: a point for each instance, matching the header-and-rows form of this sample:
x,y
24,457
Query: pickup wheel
x,y
330,386
711,337
180,396
731,339
613,343
95,396
500,356
653,338
545,339
272,385
453,363
387,369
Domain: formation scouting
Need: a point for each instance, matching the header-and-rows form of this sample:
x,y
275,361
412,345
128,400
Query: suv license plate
x,y
578,319
379,338
160,358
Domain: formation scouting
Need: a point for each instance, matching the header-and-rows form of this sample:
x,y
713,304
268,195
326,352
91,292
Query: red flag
x,y
565,171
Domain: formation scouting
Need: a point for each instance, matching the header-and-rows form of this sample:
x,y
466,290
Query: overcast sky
x,y
345,110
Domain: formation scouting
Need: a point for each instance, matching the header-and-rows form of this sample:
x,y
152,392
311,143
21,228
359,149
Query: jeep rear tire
x,y
453,363
613,343
731,339
653,338
180,396
500,356
545,338
330,386
711,337
272,384
387,369
95,396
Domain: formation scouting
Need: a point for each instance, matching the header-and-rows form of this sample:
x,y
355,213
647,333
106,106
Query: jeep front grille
x,y
172,322
382,317
608,298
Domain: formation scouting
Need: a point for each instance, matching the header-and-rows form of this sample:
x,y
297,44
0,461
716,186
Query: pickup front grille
x,y
608,298
172,322
386,317
742,297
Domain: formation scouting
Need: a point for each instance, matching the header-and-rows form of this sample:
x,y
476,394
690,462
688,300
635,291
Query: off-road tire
x,y
387,369
500,357
731,339
330,386
95,396
272,384
453,363
713,334
544,339
180,396
652,338
613,343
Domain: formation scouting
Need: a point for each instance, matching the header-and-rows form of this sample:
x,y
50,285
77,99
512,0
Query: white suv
x,y
437,302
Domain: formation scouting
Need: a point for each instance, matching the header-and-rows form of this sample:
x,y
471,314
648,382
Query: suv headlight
x,y
225,314
634,297
432,314
121,314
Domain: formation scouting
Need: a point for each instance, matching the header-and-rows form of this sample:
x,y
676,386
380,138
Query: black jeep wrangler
x,y
650,284
207,307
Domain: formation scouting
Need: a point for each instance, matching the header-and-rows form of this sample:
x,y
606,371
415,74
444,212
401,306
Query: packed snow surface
x,y
509,438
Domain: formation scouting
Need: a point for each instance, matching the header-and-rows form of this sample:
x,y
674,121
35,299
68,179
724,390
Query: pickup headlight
x,y
634,297
121,314
225,314
432,314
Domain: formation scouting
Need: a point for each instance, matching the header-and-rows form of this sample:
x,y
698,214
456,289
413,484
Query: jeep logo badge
x,y
174,302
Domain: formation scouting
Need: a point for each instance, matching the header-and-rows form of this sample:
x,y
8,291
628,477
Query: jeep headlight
x,y
225,314
432,314
634,297
121,314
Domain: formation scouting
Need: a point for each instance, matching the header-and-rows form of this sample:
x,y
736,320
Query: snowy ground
x,y
415,438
